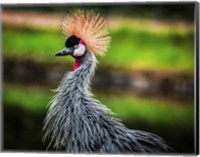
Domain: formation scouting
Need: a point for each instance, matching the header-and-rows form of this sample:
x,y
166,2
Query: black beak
x,y
65,52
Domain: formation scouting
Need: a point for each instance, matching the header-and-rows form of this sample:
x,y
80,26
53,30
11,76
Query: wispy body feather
x,y
81,124
90,27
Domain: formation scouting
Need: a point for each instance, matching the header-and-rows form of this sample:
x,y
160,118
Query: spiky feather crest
x,y
90,27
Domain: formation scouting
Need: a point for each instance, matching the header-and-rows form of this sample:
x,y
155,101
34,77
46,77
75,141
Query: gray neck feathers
x,y
73,116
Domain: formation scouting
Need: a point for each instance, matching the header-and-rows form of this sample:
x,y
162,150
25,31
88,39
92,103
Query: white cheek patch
x,y
79,51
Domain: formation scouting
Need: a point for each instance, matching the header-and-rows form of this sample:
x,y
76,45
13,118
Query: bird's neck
x,y
64,120
79,61
76,65
83,70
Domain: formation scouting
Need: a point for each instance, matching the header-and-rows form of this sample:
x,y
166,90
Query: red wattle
x,y
76,65
82,42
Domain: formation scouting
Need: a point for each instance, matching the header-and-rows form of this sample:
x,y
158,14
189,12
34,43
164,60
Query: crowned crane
x,y
77,121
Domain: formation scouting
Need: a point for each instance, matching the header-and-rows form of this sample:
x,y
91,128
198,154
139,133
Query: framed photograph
x,y
103,78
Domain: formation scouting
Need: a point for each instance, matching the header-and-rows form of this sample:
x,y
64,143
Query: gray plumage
x,y
81,124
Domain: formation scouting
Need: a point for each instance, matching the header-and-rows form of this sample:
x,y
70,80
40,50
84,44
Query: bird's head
x,y
87,32
74,47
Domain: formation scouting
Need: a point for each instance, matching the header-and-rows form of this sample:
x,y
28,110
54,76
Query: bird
x,y
76,121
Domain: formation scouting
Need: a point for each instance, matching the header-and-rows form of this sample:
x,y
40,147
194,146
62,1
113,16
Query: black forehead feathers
x,y
71,41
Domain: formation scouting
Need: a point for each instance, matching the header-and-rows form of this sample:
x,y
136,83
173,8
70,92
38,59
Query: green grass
x,y
149,110
130,48
127,108
151,51
31,43
31,99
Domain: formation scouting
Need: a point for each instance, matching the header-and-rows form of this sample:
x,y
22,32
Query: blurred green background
x,y
146,77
